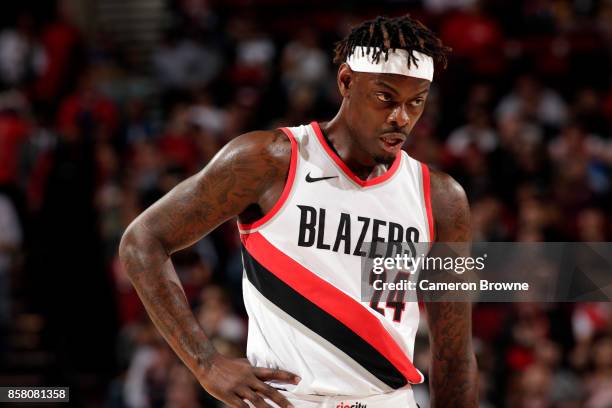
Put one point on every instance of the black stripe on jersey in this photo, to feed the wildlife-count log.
(321, 322)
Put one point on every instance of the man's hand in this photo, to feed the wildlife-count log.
(235, 380)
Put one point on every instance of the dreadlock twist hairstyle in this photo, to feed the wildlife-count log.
(386, 33)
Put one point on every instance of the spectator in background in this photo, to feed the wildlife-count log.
(136, 126)
(217, 318)
(208, 143)
(515, 130)
(441, 6)
(578, 177)
(177, 144)
(62, 45)
(207, 116)
(87, 112)
(565, 387)
(195, 273)
(255, 52)
(535, 221)
(475, 37)
(22, 58)
(599, 381)
(591, 225)
(532, 388)
(197, 14)
(182, 390)
(477, 132)
(520, 158)
(472, 171)
(488, 216)
(148, 368)
(147, 165)
(15, 130)
(587, 112)
(589, 320)
(534, 102)
(304, 62)
(10, 245)
(181, 63)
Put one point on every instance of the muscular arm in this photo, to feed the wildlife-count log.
(453, 374)
(249, 171)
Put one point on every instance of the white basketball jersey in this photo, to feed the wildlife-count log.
(302, 273)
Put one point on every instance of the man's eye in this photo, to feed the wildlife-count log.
(383, 97)
(417, 102)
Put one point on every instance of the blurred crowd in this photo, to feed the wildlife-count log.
(522, 118)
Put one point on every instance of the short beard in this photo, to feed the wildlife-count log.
(386, 160)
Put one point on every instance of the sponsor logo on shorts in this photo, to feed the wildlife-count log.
(353, 405)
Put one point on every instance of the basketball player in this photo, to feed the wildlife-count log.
(308, 199)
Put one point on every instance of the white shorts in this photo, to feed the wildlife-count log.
(400, 398)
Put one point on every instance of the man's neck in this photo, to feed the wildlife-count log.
(338, 135)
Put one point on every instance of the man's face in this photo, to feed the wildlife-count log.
(382, 109)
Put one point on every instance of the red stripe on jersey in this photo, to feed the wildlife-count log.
(427, 197)
(333, 301)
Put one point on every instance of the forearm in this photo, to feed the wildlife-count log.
(151, 272)
(454, 383)
(453, 375)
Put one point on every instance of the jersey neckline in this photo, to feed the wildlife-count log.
(346, 170)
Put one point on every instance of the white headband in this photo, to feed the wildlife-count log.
(397, 63)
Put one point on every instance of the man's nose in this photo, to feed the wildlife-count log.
(399, 116)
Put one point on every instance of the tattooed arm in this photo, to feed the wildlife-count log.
(245, 178)
(453, 377)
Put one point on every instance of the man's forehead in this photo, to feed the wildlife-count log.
(395, 82)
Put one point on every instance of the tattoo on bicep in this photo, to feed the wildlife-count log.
(222, 191)
(248, 177)
(450, 209)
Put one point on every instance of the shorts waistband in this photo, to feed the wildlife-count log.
(399, 398)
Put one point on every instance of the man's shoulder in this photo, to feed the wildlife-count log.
(444, 187)
(271, 146)
(450, 208)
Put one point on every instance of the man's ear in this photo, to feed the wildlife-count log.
(345, 79)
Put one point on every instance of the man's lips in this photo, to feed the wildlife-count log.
(393, 138)
(392, 142)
